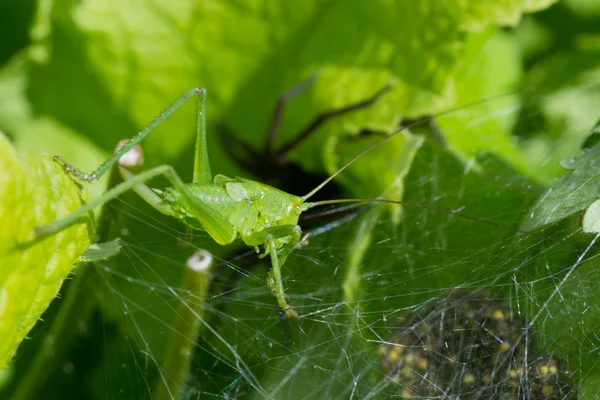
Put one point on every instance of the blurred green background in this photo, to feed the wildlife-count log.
(78, 76)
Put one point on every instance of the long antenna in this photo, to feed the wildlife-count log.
(402, 129)
(426, 207)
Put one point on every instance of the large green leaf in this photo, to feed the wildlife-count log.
(35, 190)
(125, 70)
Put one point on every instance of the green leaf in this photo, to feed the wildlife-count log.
(42, 133)
(169, 48)
(478, 14)
(14, 20)
(573, 193)
(591, 219)
(101, 251)
(35, 191)
(585, 8)
(537, 5)
(491, 67)
(381, 172)
(553, 125)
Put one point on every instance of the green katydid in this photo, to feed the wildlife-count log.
(226, 208)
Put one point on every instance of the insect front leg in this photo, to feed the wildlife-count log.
(291, 245)
(278, 258)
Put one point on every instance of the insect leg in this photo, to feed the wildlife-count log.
(243, 154)
(279, 109)
(325, 116)
(274, 279)
(201, 166)
(146, 193)
(296, 234)
(215, 225)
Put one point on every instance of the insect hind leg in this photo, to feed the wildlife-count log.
(220, 230)
(202, 158)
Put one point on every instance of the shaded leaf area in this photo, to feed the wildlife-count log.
(573, 193)
(562, 72)
(35, 191)
(14, 20)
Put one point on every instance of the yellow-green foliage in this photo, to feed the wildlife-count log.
(35, 190)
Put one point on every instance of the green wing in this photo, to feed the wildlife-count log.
(217, 226)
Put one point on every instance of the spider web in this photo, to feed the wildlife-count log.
(446, 307)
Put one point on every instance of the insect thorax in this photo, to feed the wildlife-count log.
(249, 206)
